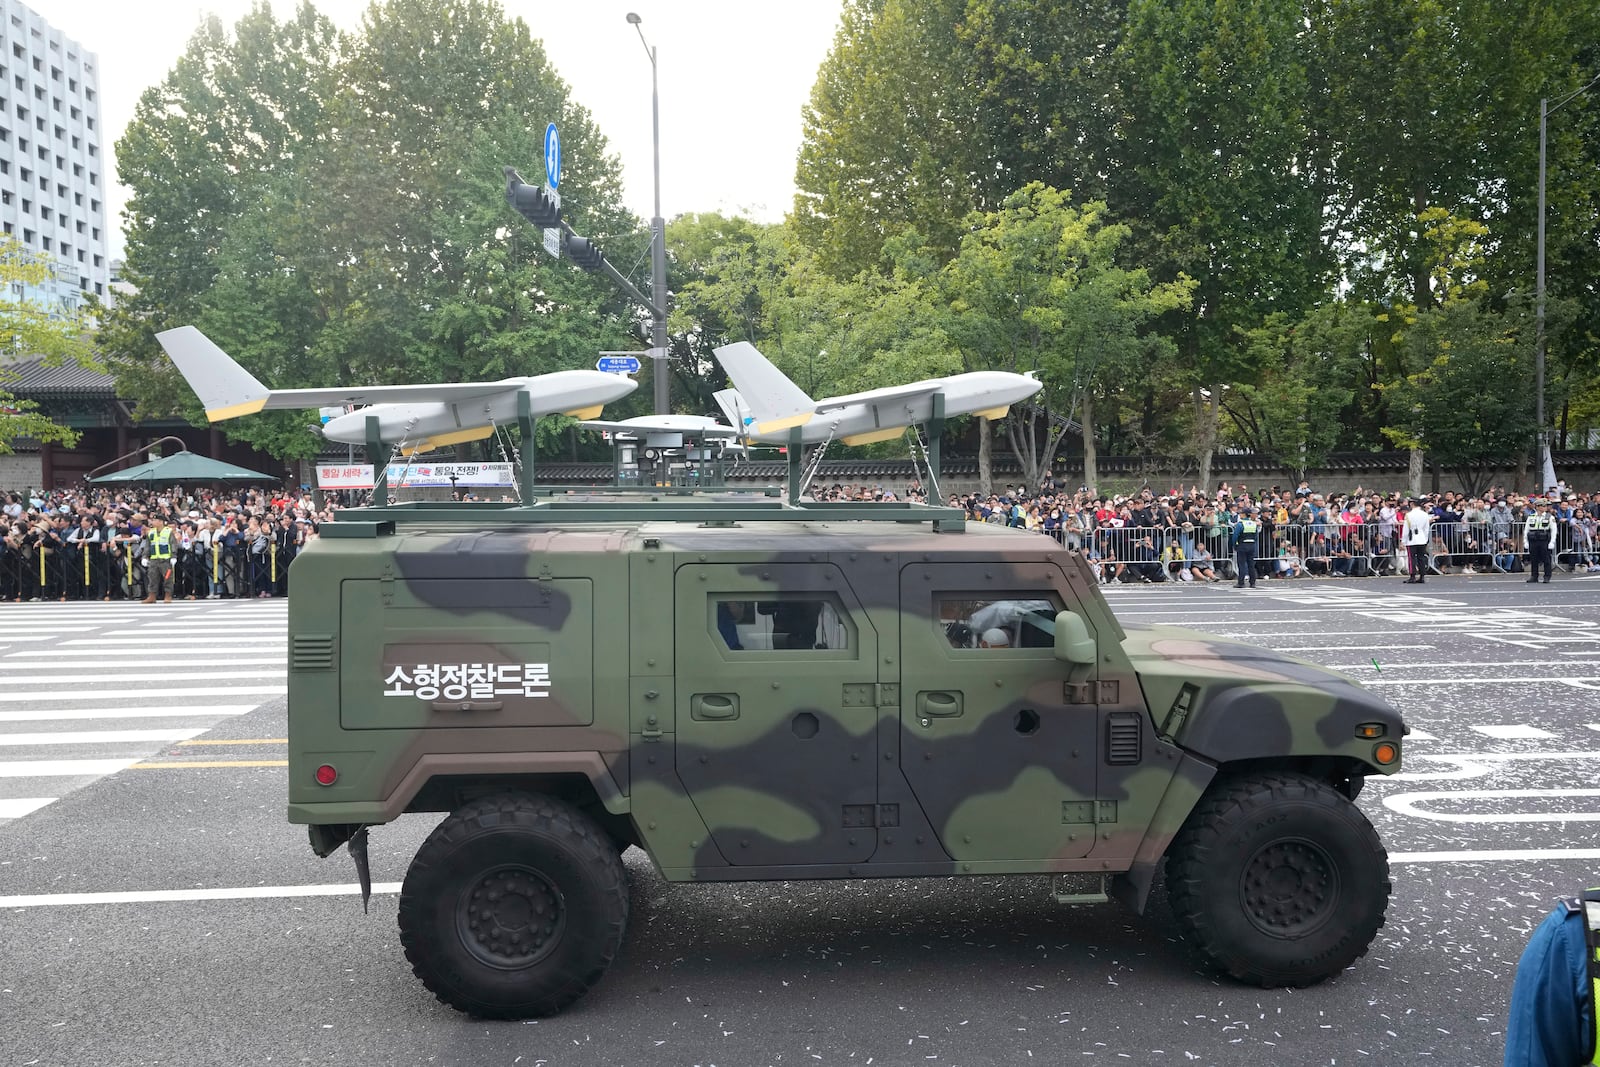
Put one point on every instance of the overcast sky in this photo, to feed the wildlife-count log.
(734, 75)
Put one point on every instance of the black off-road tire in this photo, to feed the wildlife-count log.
(514, 907)
(1278, 879)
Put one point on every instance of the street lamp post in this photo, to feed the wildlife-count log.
(658, 247)
(1546, 468)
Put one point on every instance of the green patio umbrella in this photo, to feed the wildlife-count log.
(183, 467)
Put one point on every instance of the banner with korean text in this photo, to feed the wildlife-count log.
(417, 476)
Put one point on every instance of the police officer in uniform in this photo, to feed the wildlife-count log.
(159, 575)
(1552, 1015)
(1539, 541)
(1246, 534)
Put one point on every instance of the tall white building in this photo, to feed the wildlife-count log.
(54, 167)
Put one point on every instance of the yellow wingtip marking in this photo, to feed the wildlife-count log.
(233, 411)
(456, 437)
(586, 413)
(789, 423)
(994, 413)
(874, 436)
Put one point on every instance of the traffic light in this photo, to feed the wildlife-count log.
(584, 253)
(531, 201)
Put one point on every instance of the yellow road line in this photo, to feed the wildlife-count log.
(224, 763)
(240, 741)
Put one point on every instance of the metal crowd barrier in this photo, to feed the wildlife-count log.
(114, 571)
(1322, 549)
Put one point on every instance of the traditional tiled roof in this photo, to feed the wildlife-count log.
(34, 379)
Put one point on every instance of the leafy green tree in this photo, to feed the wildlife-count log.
(1435, 105)
(1037, 288)
(926, 110)
(1308, 374)
(729, 276)
(1216, 179)
(32, 329)
(356, 231)
(235, 116)
(1464, 393)
(1043, 75)
(1468, 400)
(888, 135)
(1405, 111)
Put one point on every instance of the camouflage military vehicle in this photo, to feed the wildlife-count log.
(755, 692)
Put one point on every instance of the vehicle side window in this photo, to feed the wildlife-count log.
(792, 622)
(1024, 619)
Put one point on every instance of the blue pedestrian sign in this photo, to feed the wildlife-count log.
(617, 364)
(552, 157)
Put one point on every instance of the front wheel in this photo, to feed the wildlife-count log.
(1278, 879)
(513, 907)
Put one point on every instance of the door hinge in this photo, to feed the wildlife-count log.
(870, 695)
(1102, 692)
(861, 816)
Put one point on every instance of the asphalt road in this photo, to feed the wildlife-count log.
(1489, 823)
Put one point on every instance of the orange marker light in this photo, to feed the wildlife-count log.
(1370, 730)
(1385, 753)
(327, 774)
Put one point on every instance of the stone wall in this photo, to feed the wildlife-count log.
(20, 471)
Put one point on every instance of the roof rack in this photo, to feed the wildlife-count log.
(609, 506)
(619, 504)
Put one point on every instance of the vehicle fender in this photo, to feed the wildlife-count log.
(1184, 789)
(1264, 720)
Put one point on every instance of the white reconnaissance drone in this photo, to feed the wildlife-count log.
(767, 406)
(416, 417)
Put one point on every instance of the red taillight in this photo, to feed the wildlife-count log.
(327, 774)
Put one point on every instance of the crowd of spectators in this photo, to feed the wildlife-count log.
(95, 544)
(1188, 535)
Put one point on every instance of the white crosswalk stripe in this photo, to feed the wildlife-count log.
(1511, 731)
(88, 690)
(17, 807)
(110, 714)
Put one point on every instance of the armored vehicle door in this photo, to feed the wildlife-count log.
(776, 671)
(1002, 764)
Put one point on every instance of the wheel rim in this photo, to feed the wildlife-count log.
(510, 917)
(1289, 888)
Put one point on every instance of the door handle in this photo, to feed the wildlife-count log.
(714, 706)
(466, 705)
(938, 705)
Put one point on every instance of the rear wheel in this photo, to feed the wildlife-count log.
(1278, 879)
(513, 907)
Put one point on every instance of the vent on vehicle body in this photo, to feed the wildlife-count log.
(312, 652)
(1123, 736)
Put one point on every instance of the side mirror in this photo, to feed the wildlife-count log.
(1073, 643)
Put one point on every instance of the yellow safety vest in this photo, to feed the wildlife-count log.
(161, 543)
(1588, 908)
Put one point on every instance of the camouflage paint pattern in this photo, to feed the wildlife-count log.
(829, 763)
